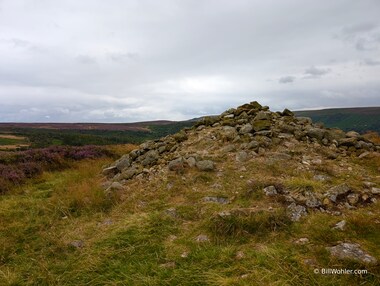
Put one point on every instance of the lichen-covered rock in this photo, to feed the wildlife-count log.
(229, 133)
(259, 125)
(123, 163)
(206, 165)
(247, 128)
(110, 171)
(176, 164)
(150, 158)
(351, 251)
(270, 191)
(295, 212)
(337, 192)
(316, 133)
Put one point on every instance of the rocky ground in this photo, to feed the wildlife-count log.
(253, 162)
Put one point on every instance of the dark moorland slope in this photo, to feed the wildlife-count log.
(360, 119)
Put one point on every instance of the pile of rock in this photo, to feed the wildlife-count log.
(252, 126)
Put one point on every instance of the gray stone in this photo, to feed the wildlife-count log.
(263, 115)
(219, 200)
(287, 112)
(241, 156)
(304, 120)
(129, 173)
(150, 158)
(259, 125)
(123, 163)
(267, 133)
(281, 157)
(352, 134)
(115, 186)
(229, 148)
(270, 191)
(375, 191)
(205, 165)
(247, 128)
(363, 145)
(229, 133)
(340, 190)
(303, 240)
(311, 200)
(295, 212)
(351, 251)
(316, 133)
(171, 212)
(254, 145)
(77, 243)
(202, 238)
(321, 178)
(191, 162)
(176, 164)
(334, 134)
(348, 142)
(340, 225)
(353, 199)
(363, 155)
(369, 184)
(110, 171)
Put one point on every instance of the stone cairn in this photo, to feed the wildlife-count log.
(253, 128)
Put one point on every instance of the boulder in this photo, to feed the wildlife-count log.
(316, 133)
(150, 158)
(176, 164)
(259, 125)
(247, 128)
(241, 156)
(287, 112)
(229, 133)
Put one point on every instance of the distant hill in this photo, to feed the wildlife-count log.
(79, 134)
(360, 119)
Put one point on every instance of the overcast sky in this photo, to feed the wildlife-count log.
(134, 60)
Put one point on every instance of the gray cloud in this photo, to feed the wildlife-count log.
(358, 28)
(314, 72)
(370, 62)
(364, 36)
(286, 79)
(120, 61)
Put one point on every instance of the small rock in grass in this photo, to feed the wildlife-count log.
(351, 251)
(202, 238)
(270, 191)
(77, 243)
(295, 211)
(340, 225)
(302, 240)
(219, 200)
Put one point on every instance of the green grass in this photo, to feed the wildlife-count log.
(131, 239)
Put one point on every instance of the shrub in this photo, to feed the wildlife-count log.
(16, 167)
